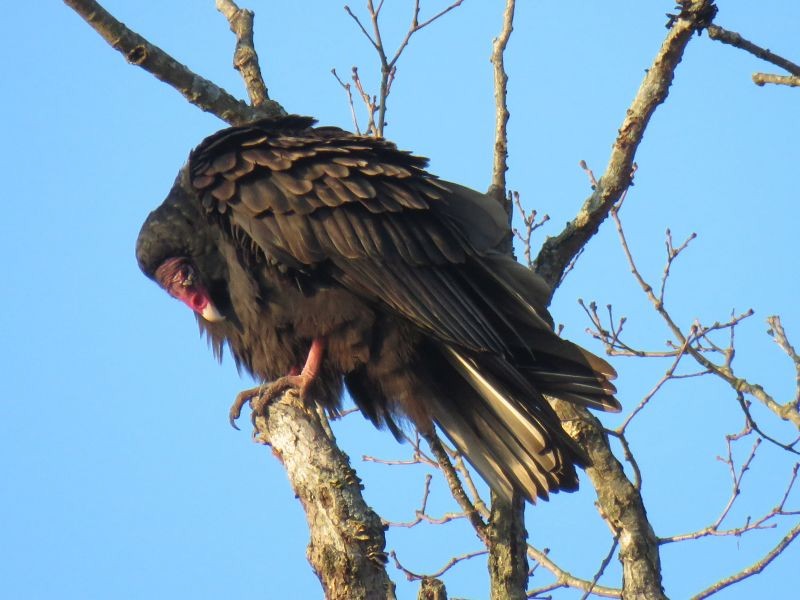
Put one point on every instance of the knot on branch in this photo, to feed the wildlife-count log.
(701, 13)
(137, 55)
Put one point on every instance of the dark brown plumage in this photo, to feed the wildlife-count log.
(285, 238)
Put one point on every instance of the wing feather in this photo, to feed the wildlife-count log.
(379, 224)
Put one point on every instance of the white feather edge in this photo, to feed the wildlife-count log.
(506, 410)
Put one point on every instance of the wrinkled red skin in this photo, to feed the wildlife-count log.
(177, 277)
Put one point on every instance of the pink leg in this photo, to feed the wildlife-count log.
(260, 397)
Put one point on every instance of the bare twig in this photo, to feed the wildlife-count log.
(456, 487)
(245, 58)
(346, 87)
(421, 514)
(565, 579)
(389, 66)
(753, 569)
(751, 423)
(531, 225)
(412, 576)
(670, 374)
(737, 475)
(138, 51)
(787, 412)
(601, 569)
(779, 335)
(761, 78)
(734, 39)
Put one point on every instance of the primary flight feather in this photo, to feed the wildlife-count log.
(324, 259)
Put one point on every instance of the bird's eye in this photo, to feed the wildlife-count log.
(187, 276)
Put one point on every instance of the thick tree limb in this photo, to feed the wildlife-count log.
(432, 589)
(347, 547)
(620, 504)
(138, 51)
(558, 251)
(508, 565)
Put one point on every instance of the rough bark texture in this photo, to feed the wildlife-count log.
(432, 589)
(347, 538)
(620, 504)
(508, 560)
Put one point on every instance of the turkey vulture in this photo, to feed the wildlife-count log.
(325, 259)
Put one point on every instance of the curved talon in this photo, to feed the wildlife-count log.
(260, 402)
(241, 399)
(261, 396)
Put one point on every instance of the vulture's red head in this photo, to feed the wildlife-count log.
(171, 250)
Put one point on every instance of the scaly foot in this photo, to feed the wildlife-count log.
(261, 396)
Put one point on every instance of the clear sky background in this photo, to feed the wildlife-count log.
(119, 474)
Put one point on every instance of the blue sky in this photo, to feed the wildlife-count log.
(120, 475)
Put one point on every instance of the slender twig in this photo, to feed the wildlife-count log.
(778, 334)
(755, 427)
(734, 39)
(466, 477)
(670, 373)
(421, 512)
(601, 569)
(370, 102)
(761, 78)
(787, 412)
(389, 66)
(565, 579)
(346, 87)
(531, 225)
(138, 51)
(412, 576)
(456, 487)
(672, 254)
(766, 521)
(753, 569)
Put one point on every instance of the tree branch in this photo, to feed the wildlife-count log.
(565, 579)
(619, 503)
(500, 160)
(197, 90)
(761, 78)
(734, 39)
(347, 546)
(753, 569)
(787, 411)
(558, 251)
(388, 66)
(245, 57)
(619, 500)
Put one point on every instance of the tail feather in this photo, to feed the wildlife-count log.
(552, 365)
(514, 443)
